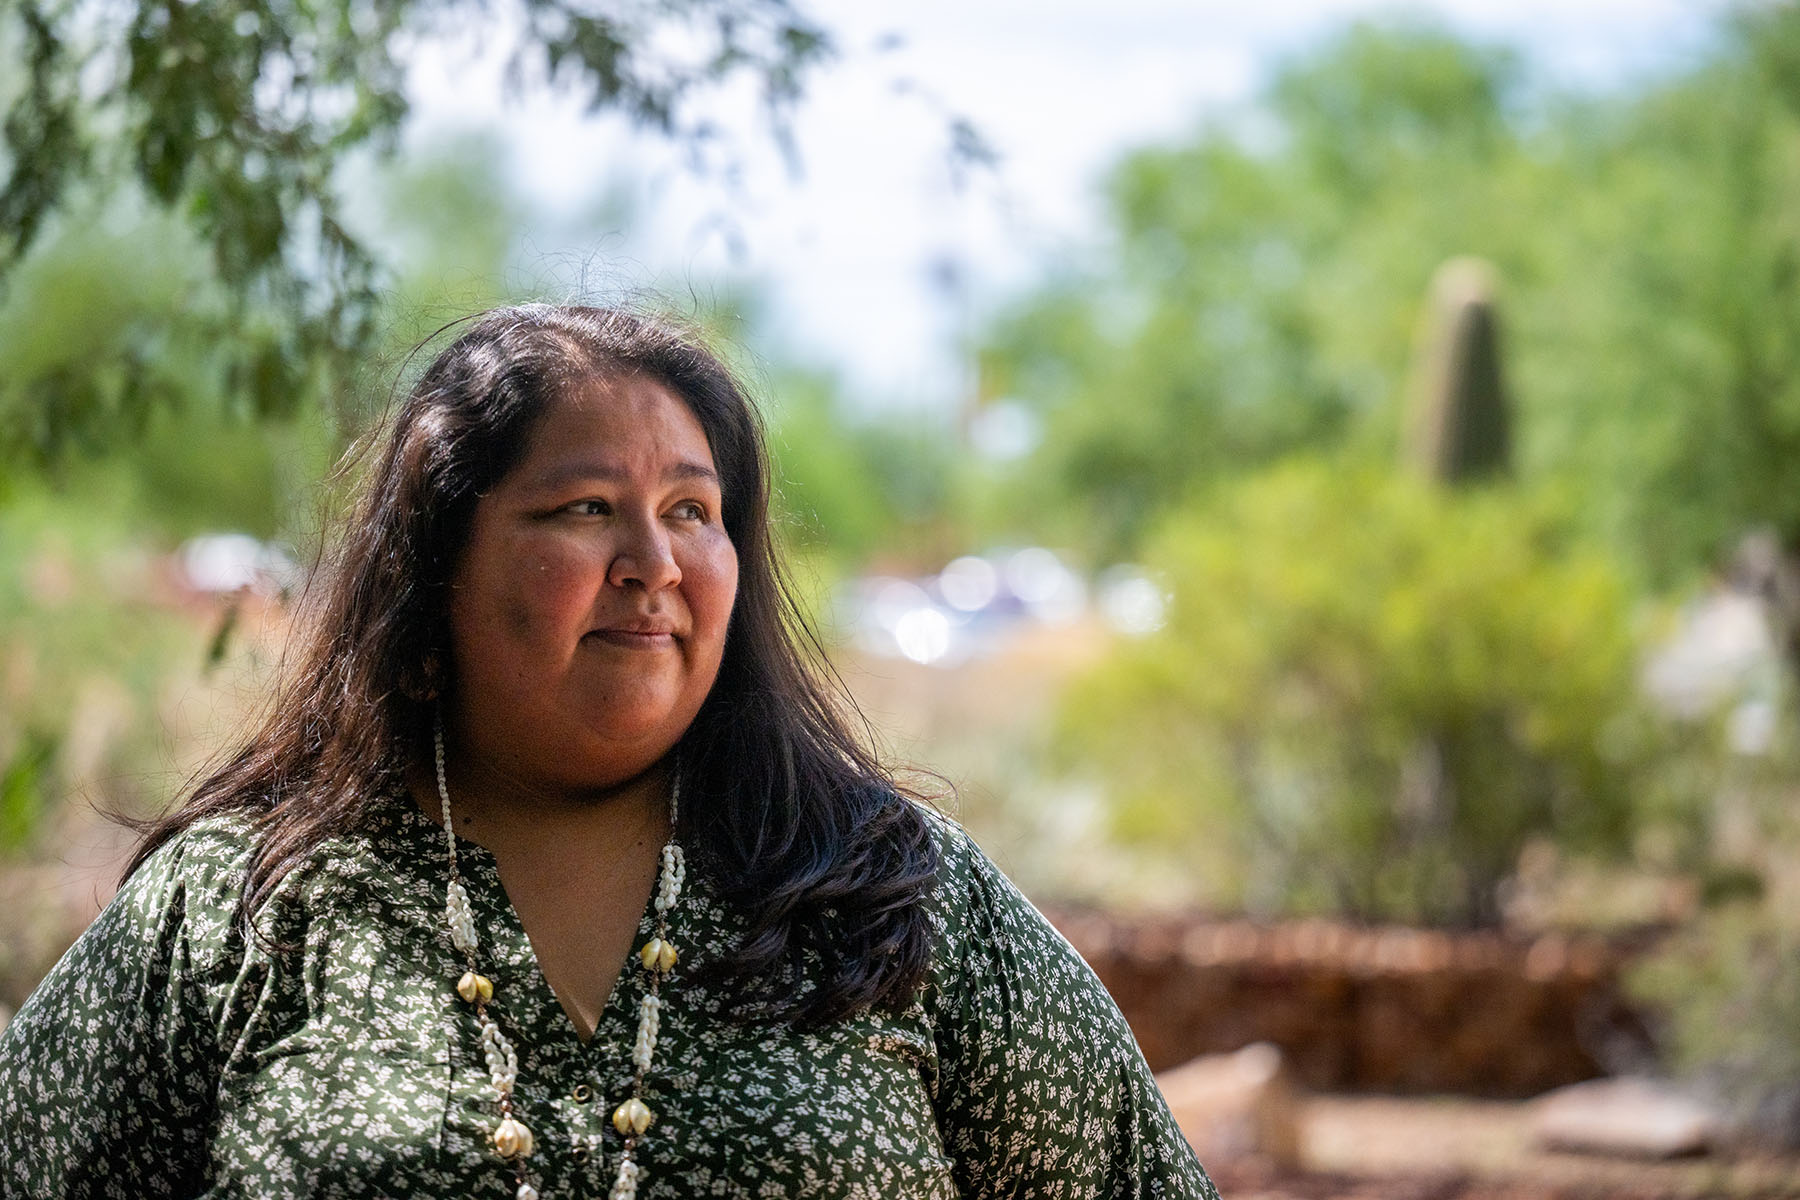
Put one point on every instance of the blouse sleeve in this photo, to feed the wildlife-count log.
(107, 1071)
(1041, 1090)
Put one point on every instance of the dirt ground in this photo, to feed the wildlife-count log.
(1377, 1148)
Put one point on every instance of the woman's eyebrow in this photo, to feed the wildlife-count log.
(686, 469)
(578, 472)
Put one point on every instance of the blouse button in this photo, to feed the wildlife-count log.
(582, 1093)
(580, 1152)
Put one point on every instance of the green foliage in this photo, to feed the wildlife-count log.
(1662, 374)
(85, 330)
(1264, 291)
(1396, 101)
(25, 789)
(1368, 695)
(1260, 290)
(1729, 991)
(851, 492)
(234, 119)
(89, 641)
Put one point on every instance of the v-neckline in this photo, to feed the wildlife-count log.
(506, 947)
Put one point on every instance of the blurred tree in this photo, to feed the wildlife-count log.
(1660, 318)
(1670, 374)
(235, 117)
(855, 491)
(1728, 991)
(1326, 623)
(197, 456)
(1260, 291)
(1261, 286)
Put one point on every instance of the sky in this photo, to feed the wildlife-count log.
(875, 260)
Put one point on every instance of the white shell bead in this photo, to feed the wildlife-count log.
(460, 919)
(674, 874)
(625, 1186)
(649, 1024)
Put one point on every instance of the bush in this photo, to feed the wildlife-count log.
(88, 647)
(1728, 988)
(1368, 695)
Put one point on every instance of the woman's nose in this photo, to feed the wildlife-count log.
(644, 558)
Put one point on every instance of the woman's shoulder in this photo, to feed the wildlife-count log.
(1033, 1052)
(175, 911)
(959, 858)
(996, 948)
(972, 891)
(963, 864)
(212, 854)
(200, 867)
(195, 888)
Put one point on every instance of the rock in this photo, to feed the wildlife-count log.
(1631, 1118)
(1236, 1106)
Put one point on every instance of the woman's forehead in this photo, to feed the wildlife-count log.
(614, 430)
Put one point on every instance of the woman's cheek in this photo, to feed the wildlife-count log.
(550, 589)
(719, 592)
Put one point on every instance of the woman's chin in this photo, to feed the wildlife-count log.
(633, 738)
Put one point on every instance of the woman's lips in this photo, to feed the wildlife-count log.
(634, 639)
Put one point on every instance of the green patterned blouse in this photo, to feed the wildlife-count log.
(165, 1055)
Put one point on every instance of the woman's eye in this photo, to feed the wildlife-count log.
(690, 510)
(590, 508)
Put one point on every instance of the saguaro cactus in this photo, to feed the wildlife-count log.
(1459, 428)
(1458, 432)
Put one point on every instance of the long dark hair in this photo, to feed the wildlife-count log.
(793, 815)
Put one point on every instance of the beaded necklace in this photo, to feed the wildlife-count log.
(513, 1141)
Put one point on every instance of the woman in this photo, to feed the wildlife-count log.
(554, 715)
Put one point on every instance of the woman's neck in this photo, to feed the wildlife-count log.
(507, 815)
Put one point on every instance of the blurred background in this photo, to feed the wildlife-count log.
(1317, 479)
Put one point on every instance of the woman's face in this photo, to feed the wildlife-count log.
(589, 606)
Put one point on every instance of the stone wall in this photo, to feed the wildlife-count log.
(1388, 1010)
